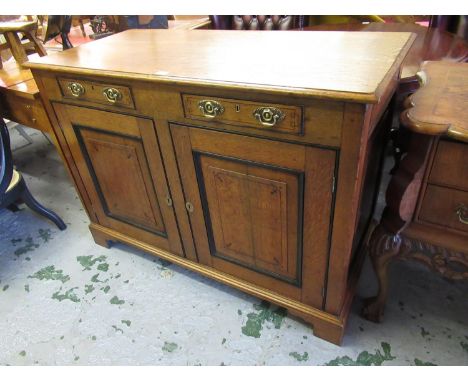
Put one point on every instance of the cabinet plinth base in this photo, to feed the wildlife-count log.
(100, 238)
(326, 326)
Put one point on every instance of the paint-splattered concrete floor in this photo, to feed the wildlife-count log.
(66, 301)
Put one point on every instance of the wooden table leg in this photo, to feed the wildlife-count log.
(386, 242)
(384, 246)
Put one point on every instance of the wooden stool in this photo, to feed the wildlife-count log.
(10, 30)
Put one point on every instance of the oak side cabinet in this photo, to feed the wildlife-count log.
(249, 157)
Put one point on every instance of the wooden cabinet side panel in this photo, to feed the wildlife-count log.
(349, 181)
(318, 208)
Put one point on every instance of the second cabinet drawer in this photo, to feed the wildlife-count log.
(260, 115)
(451, 165)
(102, 93)
(445, 207)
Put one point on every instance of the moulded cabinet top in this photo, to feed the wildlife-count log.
(341, 65)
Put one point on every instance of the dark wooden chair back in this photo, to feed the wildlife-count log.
(257, 22)
(59, 25)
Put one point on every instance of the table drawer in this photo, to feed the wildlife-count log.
(450, 165)
(28, 112)
(102, 93)
(260, 115)
(446, 207)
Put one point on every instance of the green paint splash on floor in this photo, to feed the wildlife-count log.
(117, 329)
(87, 262)
(68, 295)
(265, 313)
(116, 301)
(28, 247)
(26, 288)
(22, 353)
(169, 347)
(88, 288)
(95, 279)
(365, 358)
(301, 358)
(103, 267)
(424, 332)
(418, 362)
(45, 234)
(106, 289)
(126, 322)
(50, 273)
(5, 287)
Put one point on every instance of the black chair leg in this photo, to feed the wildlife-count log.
(32, 203)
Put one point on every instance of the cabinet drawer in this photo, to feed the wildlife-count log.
(28, 112)
(260, 115)
(450, 165)
(102, 93)
(445, 207)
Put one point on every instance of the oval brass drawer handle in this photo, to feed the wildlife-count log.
(112, 95)
(76, 89)
(210, 108)
(268, 116)
(462, 212)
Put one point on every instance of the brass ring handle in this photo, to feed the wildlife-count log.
(462, 212)
(268, 116)
(112, 95)
(210, 108)
(76, 89)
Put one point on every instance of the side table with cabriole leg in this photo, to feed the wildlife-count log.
(426, 215)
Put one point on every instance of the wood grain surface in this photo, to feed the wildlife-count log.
(341, 65)
(440, 106)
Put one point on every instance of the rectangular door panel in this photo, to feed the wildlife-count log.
(253, 215)
(111, 159)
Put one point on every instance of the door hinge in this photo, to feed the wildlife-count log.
(323, 292)
(333, 185)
